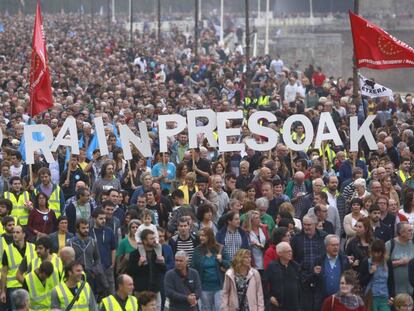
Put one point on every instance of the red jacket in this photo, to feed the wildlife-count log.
(270, 255)
(336, 305)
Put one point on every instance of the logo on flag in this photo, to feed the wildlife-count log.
(377, 49)
(371, 89)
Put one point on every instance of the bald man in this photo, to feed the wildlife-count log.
(123, 298)
(392, 152)
(298, 187)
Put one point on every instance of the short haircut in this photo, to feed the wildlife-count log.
(11, 180)
(111, 190)
(373, 208)
(400, 226)
(281, 246)
(44, 241)
(230, 176)
(181, 254)
(44, 170)
(6, 220)
(107, 203)
(61, 218)
(97, 212)
(20, 298)
(323, 196)
(177, 194)
(71, 265)
(47, 268)
(145, 233)
(146, 297)
(80, 222)
(329, 237)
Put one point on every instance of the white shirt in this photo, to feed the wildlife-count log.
(16, 171)
(290, 92)
(277, 65)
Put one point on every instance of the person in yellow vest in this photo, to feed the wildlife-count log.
(39, 285)
(7, 236)
(74, 293)
(20, 200)
(44, 253)
(298, 136)
(6, 207)
(404, 171)
(53, 192)
(12, 257)
(122, 300)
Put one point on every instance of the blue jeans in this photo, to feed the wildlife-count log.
(210, 301)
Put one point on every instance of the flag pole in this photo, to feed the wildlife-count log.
(131, 174)
(30, 174)
(355, 68)
(193, 158)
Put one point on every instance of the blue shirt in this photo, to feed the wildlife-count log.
(158, 170)
(105, 240)
(379, 281)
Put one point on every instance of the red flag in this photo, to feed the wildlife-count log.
(376, 49)
(40, 86)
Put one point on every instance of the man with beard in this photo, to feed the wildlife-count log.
(6, 207)
(86, 251)
(147, 272)
(65, 292)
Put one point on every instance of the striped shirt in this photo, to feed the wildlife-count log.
(187, 246)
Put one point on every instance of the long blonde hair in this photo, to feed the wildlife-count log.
(237, 262)
(247, 223)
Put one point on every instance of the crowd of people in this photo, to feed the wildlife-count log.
(197, 229)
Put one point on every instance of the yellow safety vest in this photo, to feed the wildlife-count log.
(402, 176)
(3, 245)
(19, 210)
(111, 304)
(65, 297)
(40, 295)
(329, 152)
(263, 100)
(13, 261)
(54, 200)
(57, 265)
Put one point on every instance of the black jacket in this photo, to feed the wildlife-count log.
(298, 247)
(283, 283)
(148, 276)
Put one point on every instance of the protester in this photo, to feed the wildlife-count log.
(242, 289)
(137, 84)
(182, 285)
(345, 299)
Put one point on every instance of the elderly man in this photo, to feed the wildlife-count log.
(182, 285)
(332, 264)
(265, 175)
(223, 198)
(282, 280)
(392, 152)
(296, 190)
(332, 212)
(400, 250)
(245, 177)
(308, 246)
